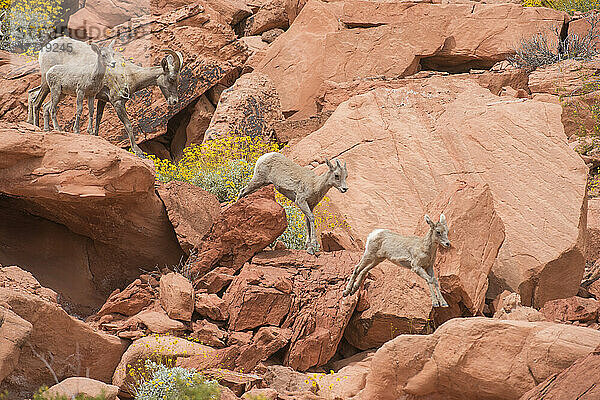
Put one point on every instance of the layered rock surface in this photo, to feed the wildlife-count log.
(90, 208)
(403, 146)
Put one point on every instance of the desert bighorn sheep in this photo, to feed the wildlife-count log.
(120, 83)
(84, 81)
(299, 184)
(416, 253)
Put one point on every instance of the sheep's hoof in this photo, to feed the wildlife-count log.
(310, 250)
(444, 304)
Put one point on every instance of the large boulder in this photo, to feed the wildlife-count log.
(14, 332)
(177, 296)
(68, 345)
(249, 108)
(475, 358)
(579, 381)
(79, 213)
(295, 290)
(245, 228)
(72, 387)
(192, 211)
(340, 41)
(435, 131)
(403, 304)
(593, 231)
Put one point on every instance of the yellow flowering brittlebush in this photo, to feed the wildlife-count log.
(26, 24)
(223, 166)
(569, 6)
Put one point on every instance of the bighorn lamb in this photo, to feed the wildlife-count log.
(84, 81)
(416, 253)
(299, 184)
(120, 83)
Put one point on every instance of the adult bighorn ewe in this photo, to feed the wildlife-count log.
(416, 253)
(120, 83)
(299, 184)
(83, 81)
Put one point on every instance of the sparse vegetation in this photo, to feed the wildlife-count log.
(569, 6)
(42, 395)
(549, 48)
(157, 381)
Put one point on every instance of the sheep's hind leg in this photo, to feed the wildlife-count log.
(99, 112)
(79, 111)
(39, 100)
(53, 105)
(90, 128)
(368, 265)
(423, 274)
(303, 205)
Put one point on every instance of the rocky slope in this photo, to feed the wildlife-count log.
(102, 267)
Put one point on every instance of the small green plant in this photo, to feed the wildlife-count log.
(42, 395)
(543, 49)
(161, 382)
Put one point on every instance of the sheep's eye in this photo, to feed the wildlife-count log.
(337, 177)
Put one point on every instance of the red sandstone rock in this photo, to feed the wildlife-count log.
(248, 108)
(579, 381)
(68, 344)
(467, 357)
(208, 334)
(14, 331)
(177, 296)
(295, 290)
(211, 306)
(341, 41)
(133, 299)
(94, 202)
(71, 387)
(571, 309)
(425, 147)
(245, 228)
(216, 280)
(191, 210)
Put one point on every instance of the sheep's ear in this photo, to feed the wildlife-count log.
(442, 218)
(339, 164)
(95, 48)
(329, 164)
(111, 45)
(345, 165)
(165, 64)
(429, 221)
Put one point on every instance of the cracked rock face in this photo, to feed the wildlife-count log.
(341, 41)
(295, 290)
(404, 146)
(81, 214)
(464, 358)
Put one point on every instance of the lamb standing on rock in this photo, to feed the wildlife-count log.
(299, 184)
(81, 81)
(416, 253)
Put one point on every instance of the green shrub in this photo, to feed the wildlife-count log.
(42, 395)
(160, 382)
(542, 49)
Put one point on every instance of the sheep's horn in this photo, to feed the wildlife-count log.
(177, 57)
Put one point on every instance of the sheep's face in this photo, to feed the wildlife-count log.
(169, 80)
(106, 54)
(338, 174)
(440, 230)
(108, 57)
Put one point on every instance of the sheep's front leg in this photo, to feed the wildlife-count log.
(80, 97)
(436, 283)
(309, 233)
(423, 274)
(37, 104)
(250, 188)
(303, 205)
(90, 128)
(122, 114)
